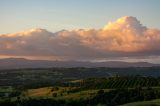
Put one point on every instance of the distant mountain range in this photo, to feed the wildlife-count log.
(14, 63)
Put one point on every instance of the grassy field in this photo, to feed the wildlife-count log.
(155, 102)
(6, 89)
(58, 93)
(45, 92)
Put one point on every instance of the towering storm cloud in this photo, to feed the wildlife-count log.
(122, 38)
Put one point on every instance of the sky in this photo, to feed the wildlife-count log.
(55, 15)
(83, 30)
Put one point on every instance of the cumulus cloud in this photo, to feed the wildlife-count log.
(122, 38)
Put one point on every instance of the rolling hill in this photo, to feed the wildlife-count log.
(14, 63)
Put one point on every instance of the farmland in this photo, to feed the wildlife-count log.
(80, 86)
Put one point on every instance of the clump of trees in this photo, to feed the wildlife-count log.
(122, 96)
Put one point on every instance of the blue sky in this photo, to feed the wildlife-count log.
(54, 15)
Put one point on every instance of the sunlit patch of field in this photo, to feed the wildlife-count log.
(46, 92)
(38, 92)
(76, 81)
(59, 93)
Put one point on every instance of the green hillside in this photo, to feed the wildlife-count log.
(111, 91)
(155, 102)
